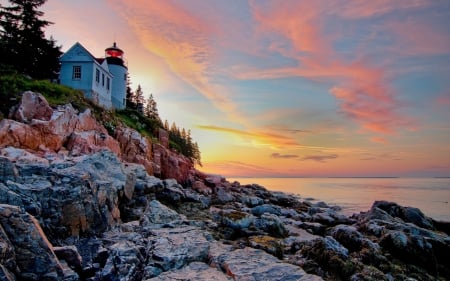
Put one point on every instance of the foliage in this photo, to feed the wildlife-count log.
(143, 116)
(182, 142)
(12, 86)
(23, 45)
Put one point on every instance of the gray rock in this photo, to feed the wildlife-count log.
(158, 215)
(71, 256)
(352, 239)
(34, 257)
(253, 264)
(223, 196)
(173, 248)
(271, 224)
(124, 262)
(266, 208)
(252, 201)
(197, 271)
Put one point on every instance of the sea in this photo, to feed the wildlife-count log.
(354, 195)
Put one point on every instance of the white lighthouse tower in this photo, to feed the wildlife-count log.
(117, 67)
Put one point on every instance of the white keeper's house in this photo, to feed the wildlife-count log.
(102, 80)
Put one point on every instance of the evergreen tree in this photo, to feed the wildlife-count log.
(151, 108)
(23, 46)
(130, 95)
(166, 125)
(139, 99)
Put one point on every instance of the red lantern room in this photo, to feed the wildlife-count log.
(114, 55)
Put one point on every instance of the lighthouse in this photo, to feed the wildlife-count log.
(117, 67)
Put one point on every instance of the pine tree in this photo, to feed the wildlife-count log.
(139, 99)
(24, 47)
(151, 108)
(130, 95)
(166, 125)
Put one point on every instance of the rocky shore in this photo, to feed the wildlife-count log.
(76, 208)
(93, 217)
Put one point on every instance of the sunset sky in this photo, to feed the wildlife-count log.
(286, 88)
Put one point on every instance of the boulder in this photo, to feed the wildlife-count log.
(407, 214)
(32, 106)
(174, 248)
(158, 215)
(125, 262)
(33, 253)
(194, 271)
(252, 264)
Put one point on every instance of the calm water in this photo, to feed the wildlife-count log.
(431, 195)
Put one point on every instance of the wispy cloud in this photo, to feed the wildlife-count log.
(320, 158)
(283, 156)
(182, 39)
(267, 138)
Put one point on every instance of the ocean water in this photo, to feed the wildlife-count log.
(354, 195)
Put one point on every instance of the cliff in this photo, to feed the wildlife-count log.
(63, 132)
(78, 204)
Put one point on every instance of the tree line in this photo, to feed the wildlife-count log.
(179, 139)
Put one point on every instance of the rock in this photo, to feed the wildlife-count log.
(168, 164)
(134, 147)
(173, 248)
(71, 256)
(410, 248)
(253, 264)
(271, 224)
(266, 208)
(34, 256)
(158, 215)
(407, 214)
(32, 106)
(200, 187)
(251, 201)
(269, 244)
(125, 262)
(353, 240)
(223, 196)
(194, 271)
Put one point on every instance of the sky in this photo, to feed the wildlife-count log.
(286, 88)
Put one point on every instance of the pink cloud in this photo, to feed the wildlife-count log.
(361, 88)
(356, 9)
(418, 37)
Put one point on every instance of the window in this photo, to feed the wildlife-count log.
(125, 77)
(103, 79)
(97, 75)
(76, 72)
(107, 83)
